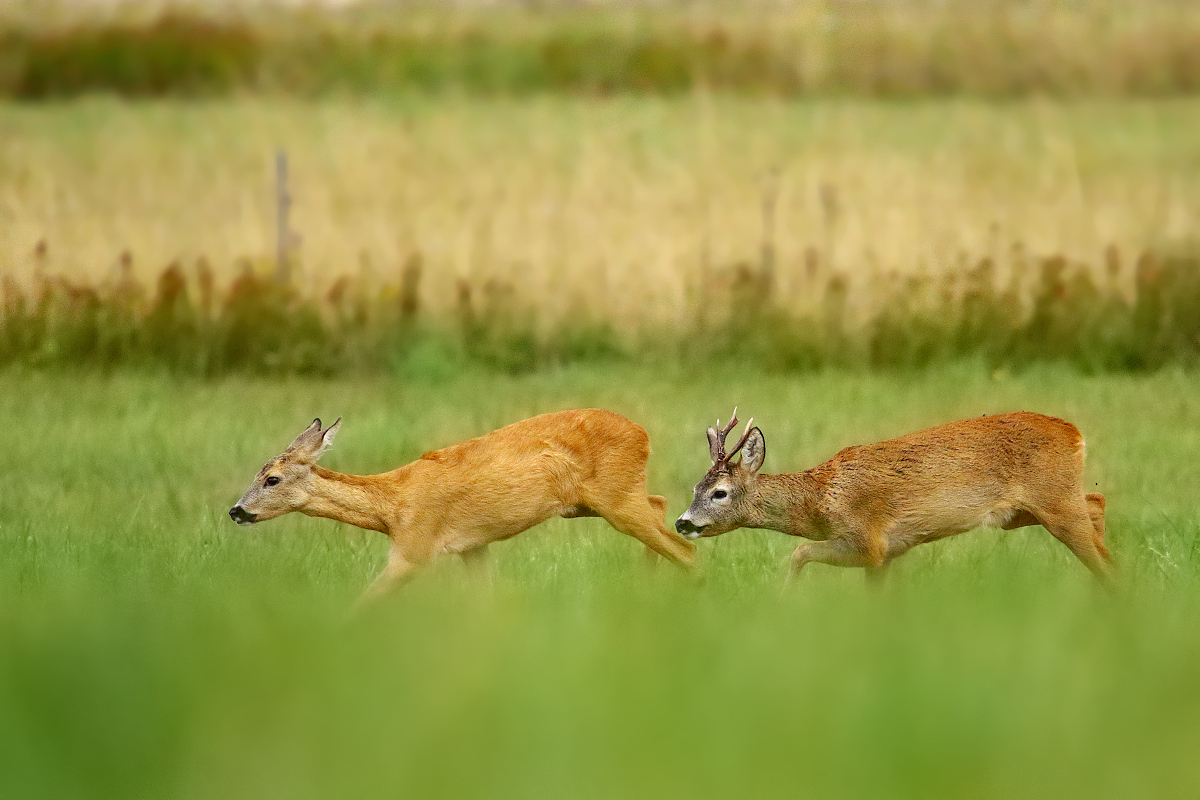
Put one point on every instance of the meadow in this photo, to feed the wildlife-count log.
(151, 648)
(850, 220)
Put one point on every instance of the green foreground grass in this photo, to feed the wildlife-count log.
(149, 648)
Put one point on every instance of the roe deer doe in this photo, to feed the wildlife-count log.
(870, 504)
(588, 463)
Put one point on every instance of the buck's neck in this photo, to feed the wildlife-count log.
(785, 503)
(355, 499)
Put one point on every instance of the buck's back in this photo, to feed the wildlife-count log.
(966, 464)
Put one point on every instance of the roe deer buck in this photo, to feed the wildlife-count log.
(588, 463)
(870, 504)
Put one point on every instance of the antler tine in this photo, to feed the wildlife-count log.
(742, 441)
(724, 431)
(723, 434)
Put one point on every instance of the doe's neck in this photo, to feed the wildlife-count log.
(355, 499)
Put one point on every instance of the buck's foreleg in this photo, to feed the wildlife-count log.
(899, 540)
(877, 576)
(837, 552)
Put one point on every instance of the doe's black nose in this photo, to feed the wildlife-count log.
(240, 515)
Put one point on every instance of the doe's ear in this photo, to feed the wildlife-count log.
(307, 439)
(309, 445)
(327, 438)
(754, 452)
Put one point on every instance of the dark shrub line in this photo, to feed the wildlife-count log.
(1050, 311)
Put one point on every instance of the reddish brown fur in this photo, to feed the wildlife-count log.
(463, 497)
(870, 504)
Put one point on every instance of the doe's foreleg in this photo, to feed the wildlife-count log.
(479, 565)
(398, 571)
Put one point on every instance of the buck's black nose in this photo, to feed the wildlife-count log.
(685, 526)
(241, 516)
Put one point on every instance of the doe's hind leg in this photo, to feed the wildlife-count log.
(659, 504)
(1095, 506)
(1072, 525)
(643, 520)
(1020, 519)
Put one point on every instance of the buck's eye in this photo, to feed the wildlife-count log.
(720, 494)
(273, 480)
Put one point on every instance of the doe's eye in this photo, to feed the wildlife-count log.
(720, 494)
(273, 480)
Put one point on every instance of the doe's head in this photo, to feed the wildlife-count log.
(719, 501)
(284, 482)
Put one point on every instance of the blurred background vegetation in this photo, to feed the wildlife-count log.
(915, 48)
(797, 184)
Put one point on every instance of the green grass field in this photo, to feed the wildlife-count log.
(150, 648)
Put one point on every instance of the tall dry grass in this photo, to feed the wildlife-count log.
(625, 210)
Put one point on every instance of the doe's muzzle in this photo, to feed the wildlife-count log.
(241, 516)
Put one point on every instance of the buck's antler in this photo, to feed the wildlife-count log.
(718, 435)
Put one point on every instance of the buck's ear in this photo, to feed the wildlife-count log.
(714, 445)
(754, 452)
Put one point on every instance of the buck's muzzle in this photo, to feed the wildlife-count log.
(687, 528)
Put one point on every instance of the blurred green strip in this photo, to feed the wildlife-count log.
(864, 49)
(153, 649)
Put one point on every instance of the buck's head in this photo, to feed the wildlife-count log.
(720, 501)
(284, 482)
